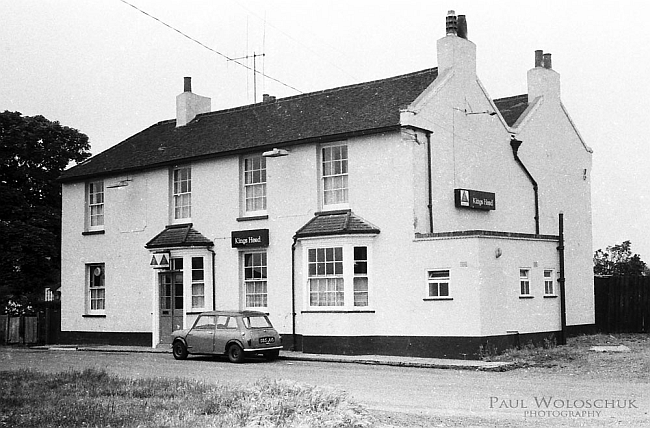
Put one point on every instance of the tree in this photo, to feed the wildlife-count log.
(619, 261)
(33, 153)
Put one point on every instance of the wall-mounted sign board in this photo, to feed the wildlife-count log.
(474, 199)
(250, 238)
(160, 260)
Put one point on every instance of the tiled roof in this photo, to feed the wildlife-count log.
(183, 235)
(512, 107)
(336, 223)
(348, 110)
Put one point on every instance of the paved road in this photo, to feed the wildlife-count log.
(468, 397)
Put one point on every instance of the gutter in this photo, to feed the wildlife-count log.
(514, 143)
(66, 177)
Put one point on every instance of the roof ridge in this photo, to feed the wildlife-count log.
(310, 94)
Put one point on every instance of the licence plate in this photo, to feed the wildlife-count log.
(266, 340)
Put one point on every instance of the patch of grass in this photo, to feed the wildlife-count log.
(548, 354)
(94, 398)
(576, 357)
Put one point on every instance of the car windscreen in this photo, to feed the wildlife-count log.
(257, 322)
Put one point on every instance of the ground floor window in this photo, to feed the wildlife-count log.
(524, 281)
(326, 283)
(338, 277)
(96, 288)
(255, 280)
(360, 276)
(437, 283)
(549, 288)
(198, 283)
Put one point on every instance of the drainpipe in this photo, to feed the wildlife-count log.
(561, 281)
(428, 134)
(293, 294)
(514, 143)
(214, 287)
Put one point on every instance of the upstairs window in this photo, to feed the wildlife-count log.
(182, 193)
(255, 184)
(335, 174)
(95, 200)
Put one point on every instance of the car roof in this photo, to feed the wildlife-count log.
(234, 313)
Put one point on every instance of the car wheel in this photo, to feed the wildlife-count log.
(235, 353)
(179, 350)
(272, 355)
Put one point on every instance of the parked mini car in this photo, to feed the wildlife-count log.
(233, 333)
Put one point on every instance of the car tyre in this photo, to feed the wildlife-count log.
(235, 353)
(272, 355)
(179, 350)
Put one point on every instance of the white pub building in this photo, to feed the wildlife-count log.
(412, 215)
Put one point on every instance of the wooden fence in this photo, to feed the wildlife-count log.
(622, 304)
(43, 327)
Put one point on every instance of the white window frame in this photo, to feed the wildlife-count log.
(549, 282)
(360, 282)
(254, 281)
(95, 291)
(525, 282)
(333, 170)
(254, 181)
(198, 283)
(438, 281)
(347, 276)
(181, 194)
(95, 205)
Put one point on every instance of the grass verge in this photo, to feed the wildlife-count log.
(94, 398)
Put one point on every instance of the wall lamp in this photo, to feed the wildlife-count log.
(275, 153)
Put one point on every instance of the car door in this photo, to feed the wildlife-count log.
(200, 339)
(226, 329)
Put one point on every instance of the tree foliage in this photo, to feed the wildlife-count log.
(33, 153)
(619, 261)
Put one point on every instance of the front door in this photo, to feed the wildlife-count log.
(171, 304)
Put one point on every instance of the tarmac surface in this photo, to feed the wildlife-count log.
(386, 360)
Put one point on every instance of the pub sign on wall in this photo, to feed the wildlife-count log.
(250, 238)
(474, 199)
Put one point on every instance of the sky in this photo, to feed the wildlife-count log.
(110, 70)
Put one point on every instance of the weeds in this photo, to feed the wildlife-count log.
(96, 398)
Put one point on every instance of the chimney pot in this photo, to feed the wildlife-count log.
(187, 84)
(266, 98)
(462, 26)
(451, 22)
(547, 61)
(539, 59)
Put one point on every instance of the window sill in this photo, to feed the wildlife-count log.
(194, 313)
(94, 316)
(526, 297)
(428, 299)
(550, 296)
(253, 217)
(335, 311)
(93, 232)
